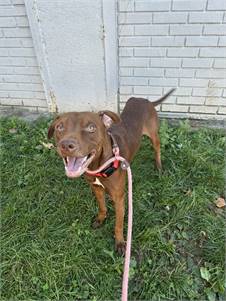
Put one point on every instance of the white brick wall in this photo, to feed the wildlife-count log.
(174, 43)
(20, 80)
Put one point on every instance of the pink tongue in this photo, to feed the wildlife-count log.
(74, 164)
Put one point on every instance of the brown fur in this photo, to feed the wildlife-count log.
(138, 118)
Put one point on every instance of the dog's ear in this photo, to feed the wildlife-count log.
(109, 118)
(52, 127)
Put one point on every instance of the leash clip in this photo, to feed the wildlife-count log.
(124, 165)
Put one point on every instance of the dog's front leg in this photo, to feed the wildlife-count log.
(119, 205)
(102, 214)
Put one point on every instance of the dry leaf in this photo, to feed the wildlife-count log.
(13, 131)
(220, 203)
(47, 145)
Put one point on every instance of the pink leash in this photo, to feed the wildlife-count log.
(124, 165)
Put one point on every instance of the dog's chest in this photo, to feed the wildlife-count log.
(98, 182)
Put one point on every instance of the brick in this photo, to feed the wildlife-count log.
(147, 90)
(126, 71)
(206, 92)
(222, 111)
(216, 5)
(17, 32)
(201, 41)
(27, 42)
(174, 108)
(165, 62)
(211, 73)
(171, 99)
(26, 70)
(22, 21)
(7, 22)
(152, 30)
(205, 17)
(6, 69)
(124, 98)
(125, 51)
(196, 63)
(17, 2)
(35, 102)
(171, 72)
(168, 41)
(16, 42)
(42, 110)
(219, 63)
(173, 18)
(153, 5)
(213, 52)
(219, 83)
(134, 41)
(186, 30)
(185, 5)
(18, 61)
(203, 109)
(5, 43)
(4, 94)
(214, 29)
(150, 52)
(27, 94)
(183, 91)
(182, 52)
(163, 82)
(214, 101)
(126, 30)
(191, 100)
(28, 108)
(5, 2)
(134, 62)
(11, 102)
(193, 82)
(13, 11)
(153, 98)
(224, 19)
(135, 18)
(21, 87)
(125, 5)
(132, 81)
(222, 41)
(25, 52)
(126, 90)
(21, 79)
(4, 52)
(152, 72)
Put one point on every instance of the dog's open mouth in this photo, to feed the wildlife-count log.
(76, 166)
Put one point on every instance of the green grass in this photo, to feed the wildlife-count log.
(50, 252)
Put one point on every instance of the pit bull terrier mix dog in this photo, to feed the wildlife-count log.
(83, 141)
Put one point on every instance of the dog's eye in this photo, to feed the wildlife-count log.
(60, 127)
(91, 128)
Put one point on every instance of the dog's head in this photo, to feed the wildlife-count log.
(79, 138)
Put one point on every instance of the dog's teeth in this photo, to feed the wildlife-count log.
(84, 159)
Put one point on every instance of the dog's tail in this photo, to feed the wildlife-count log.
(160, 100)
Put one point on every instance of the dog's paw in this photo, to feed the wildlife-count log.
(97, 223)
(120, 247)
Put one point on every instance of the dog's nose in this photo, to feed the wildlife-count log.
(68, 145)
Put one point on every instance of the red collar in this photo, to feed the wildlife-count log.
(107, 172)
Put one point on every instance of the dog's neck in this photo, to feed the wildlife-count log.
(104, 153)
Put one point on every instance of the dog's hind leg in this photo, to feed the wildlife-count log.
(156, 145)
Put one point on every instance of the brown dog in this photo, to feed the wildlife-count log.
(82, 140)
